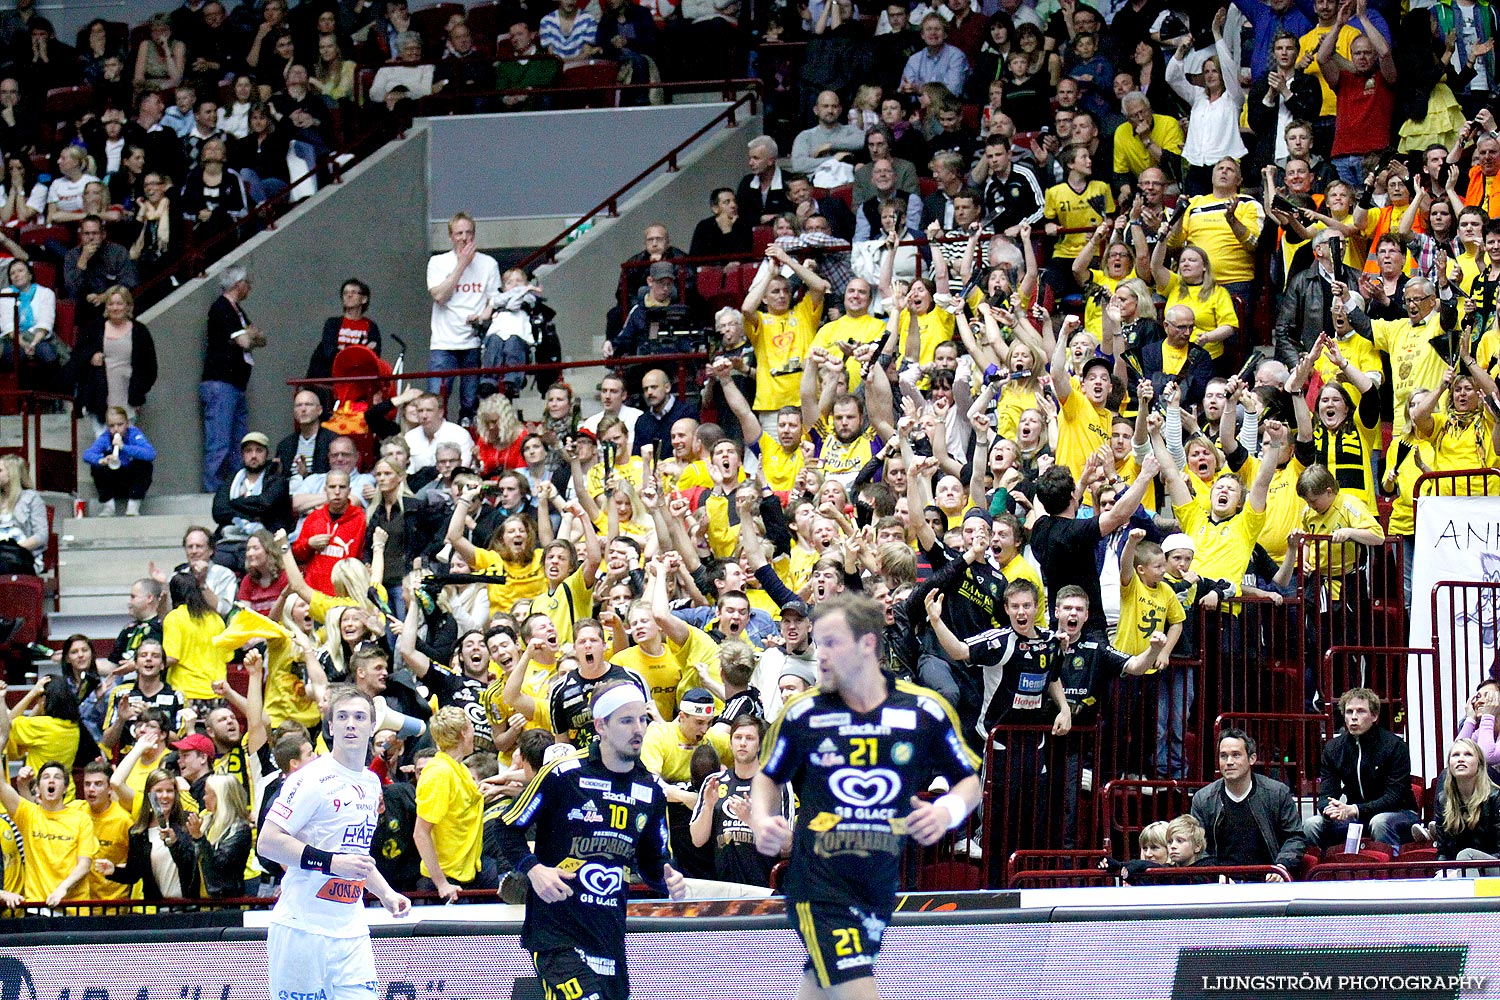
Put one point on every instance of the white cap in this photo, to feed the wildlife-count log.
(1178, 541)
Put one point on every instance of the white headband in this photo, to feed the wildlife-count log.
(616, 698)
(701, 709)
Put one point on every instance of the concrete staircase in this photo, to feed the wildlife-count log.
(101, 557)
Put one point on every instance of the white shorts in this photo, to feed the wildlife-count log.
(307, 966)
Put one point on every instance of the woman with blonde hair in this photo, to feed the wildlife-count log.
(1468, 808)
(512, 551)
(222, 835)
(23, 518)
(497, 433)
(114, 359)
(351, 584)
(1193, 285)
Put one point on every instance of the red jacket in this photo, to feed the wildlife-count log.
(348, 542)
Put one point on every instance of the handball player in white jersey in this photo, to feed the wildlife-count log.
(320, 829)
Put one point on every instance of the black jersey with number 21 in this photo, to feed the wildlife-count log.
(855, 774)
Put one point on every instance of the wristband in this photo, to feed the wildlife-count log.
(956, 807)
(316, 860)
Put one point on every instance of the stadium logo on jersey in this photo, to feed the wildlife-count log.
(901, 753)
(601, 880)
(860, 787)
(586, 813)
(360, 835)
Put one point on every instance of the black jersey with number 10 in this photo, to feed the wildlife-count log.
(855, 774)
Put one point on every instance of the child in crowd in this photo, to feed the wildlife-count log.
(1152, 844)
(1186, 843)
(179, 117)
(1147, 607)
(864, 110)
(1191, 589)
(122, 463)
(515, 328)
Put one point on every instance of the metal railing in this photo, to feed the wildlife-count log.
(729, 118)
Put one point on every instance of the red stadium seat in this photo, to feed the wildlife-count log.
(429, 22)
(45, 273)
(600, 75)
(763, 235)
(926, 187)
(710, 281)
(484, 21)
(22, 597)
(66, 325)
(41, 235)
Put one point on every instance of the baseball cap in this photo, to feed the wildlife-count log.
(796, 607)
(799, 670)
(661, 269)
(1091, 362)
(198, 742)
(255, 437)
(698, 702)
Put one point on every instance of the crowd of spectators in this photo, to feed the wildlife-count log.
(1074, 332)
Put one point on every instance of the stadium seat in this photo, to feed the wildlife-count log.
(597, 74)
(926, 188)
(64, 106)
(67, 327)
(45, 273)
(970, 117)
(41, 235)
(484, 21)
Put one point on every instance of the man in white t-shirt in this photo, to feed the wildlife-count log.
(461, 283)
(320, 830)
(612, 395)
(431, 431)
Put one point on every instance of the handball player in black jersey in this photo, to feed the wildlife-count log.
(858, 749)
(601, 819)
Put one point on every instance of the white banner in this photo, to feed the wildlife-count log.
(1457, 540)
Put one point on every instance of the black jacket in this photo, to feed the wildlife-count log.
(1372, 772)
(286, 452)
(1277, 818)
(271, 507)
(1305, 103)
(1304, 314)
(137, 866)
(92, 390)
(1484, 837)
(1193, 378)
(223, 866)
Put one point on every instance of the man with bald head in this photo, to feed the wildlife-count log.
(1145, 140)
(1177, 358)
(305, 450)
(663, 409)
(633, 279)
(884, 181)
(332, 532)
(830, 139)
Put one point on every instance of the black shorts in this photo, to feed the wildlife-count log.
(842, 941)
(567, 974)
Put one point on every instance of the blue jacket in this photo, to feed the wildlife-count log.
(134, 448)
(1484, 23)
(1298, 19)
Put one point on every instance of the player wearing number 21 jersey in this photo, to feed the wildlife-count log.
(600, 816)
(858, 749)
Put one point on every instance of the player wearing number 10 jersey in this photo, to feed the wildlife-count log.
(599, 815)
(859, 748)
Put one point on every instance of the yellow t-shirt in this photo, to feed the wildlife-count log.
(864, 329)
(671, 672)
(842, 460)
(1081, 428)
(1208, 314)
(1143, 611)
(1283, 506)
(778, 339)
(693, 476)
(1414, 363)
(1463, 444)
(1082, 211)
(1130, 152)
(1207, 227)
(573, 599)
(935, 326)
(54, 841)
(535, 685)
(633, 471)
(190, 641)
(10, 855)
(42, 738)
(1222, 547)
(112, 831)
(448, 798)
(1403, 518)
(666, 755)
(518, 580)
(322, 603)
(285, 691)
(1093, 311)
(1309, 43)
(1360, 353)
(1014, 401)
(780, 466)
(1336, 560)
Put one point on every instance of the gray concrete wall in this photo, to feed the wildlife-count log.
(372, 226)
(582, 285)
